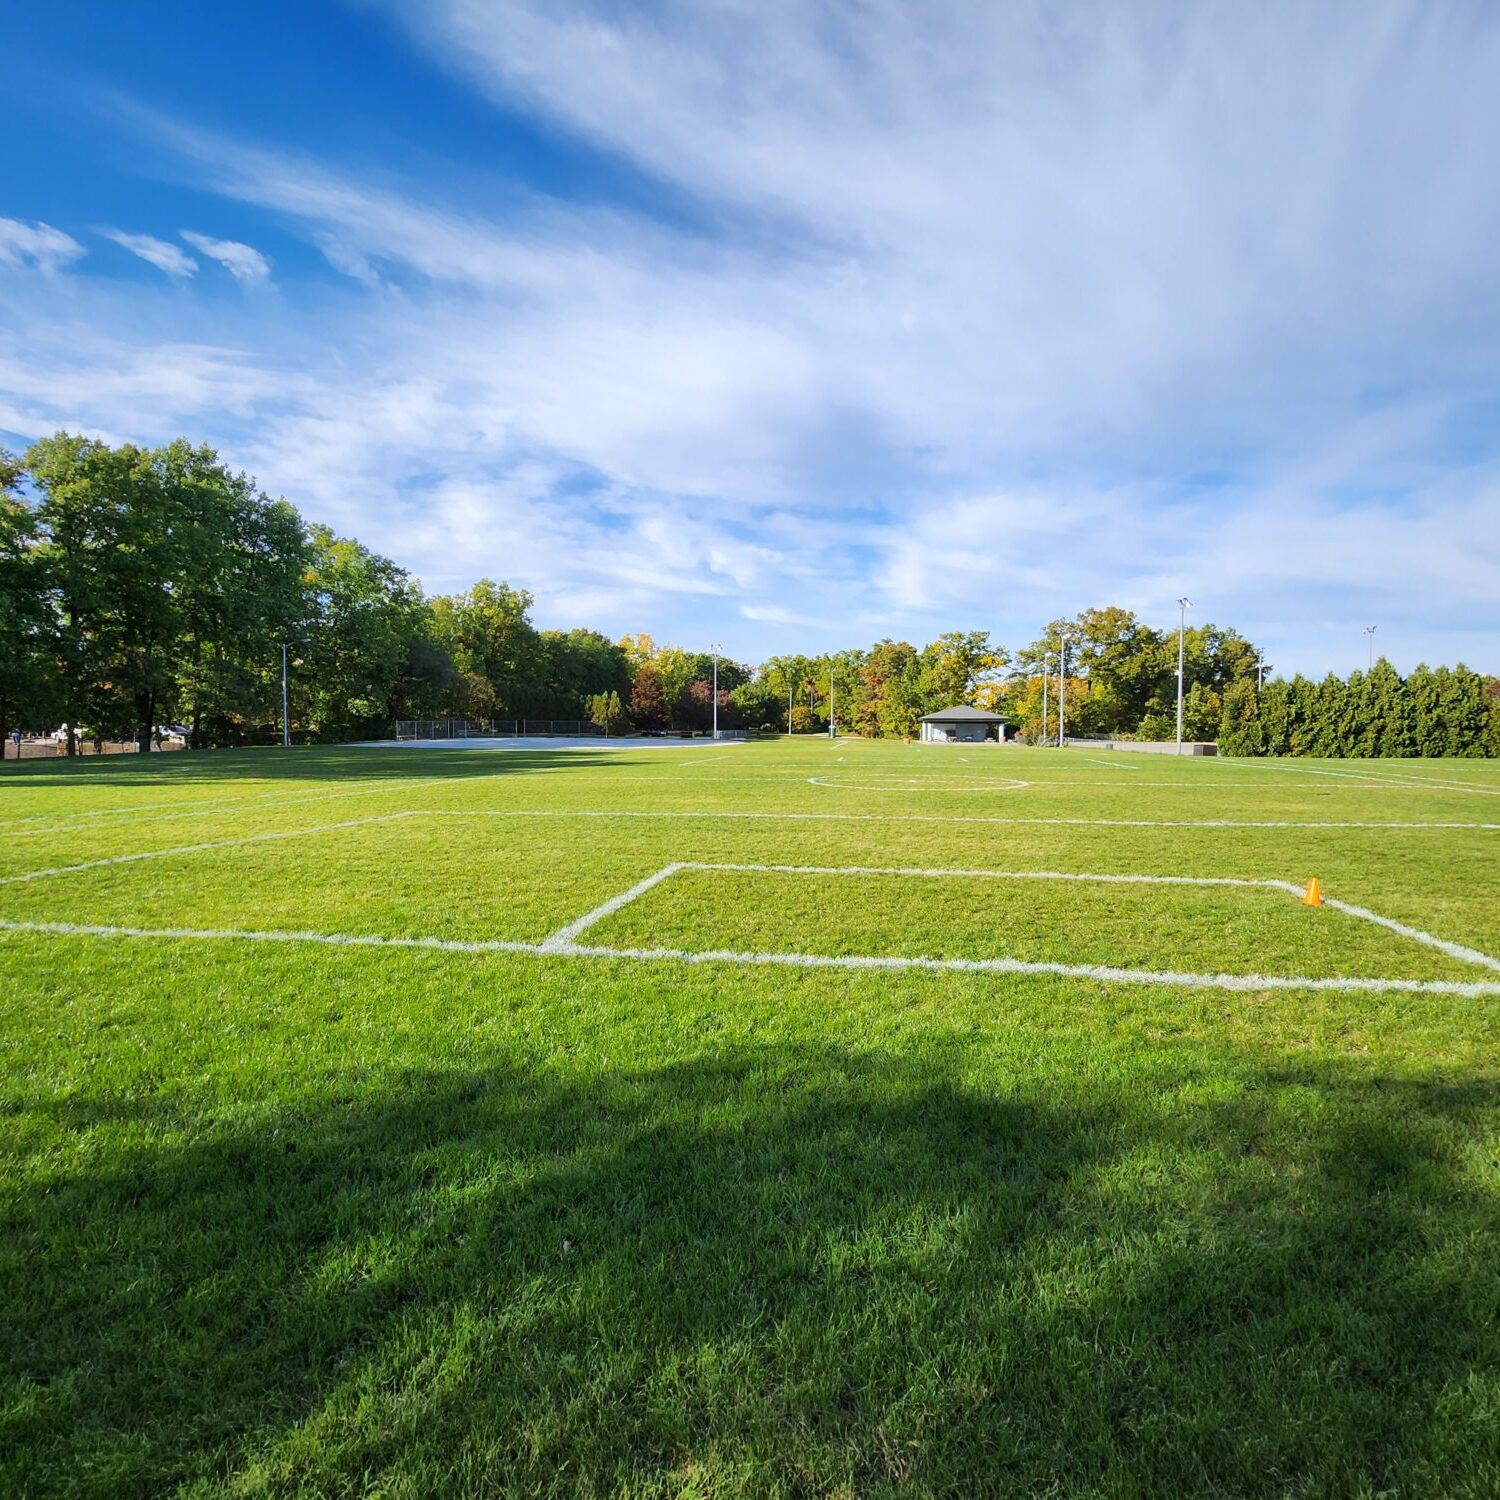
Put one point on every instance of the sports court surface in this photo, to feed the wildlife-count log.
(792, 1117)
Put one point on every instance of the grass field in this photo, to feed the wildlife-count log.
(781, 1119)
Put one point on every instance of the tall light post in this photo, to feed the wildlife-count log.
(833, 727)
(1184, 605)
(1370, 639)
(1062, 688)
(1260, 670)
(286, 723)
(715, 650)
(791, 688)
(1046, 678)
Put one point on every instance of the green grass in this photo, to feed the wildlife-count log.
(287, 1218)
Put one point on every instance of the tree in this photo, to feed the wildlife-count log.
(607, 714)
(367, 612)
(112, 562)
(491, 637)
(648, 704)
(1239, 723)
(27, 679)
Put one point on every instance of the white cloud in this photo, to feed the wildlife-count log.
(162, 254)
(37, 245)
(243, 262)
(980, 315)
(348, 260)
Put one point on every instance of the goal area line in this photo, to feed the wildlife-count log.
(564, 942)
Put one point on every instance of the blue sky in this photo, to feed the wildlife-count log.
(792, 324)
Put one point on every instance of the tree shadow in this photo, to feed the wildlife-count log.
(778, 1270)
(313, 763)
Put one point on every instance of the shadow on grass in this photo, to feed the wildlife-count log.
(312, 763)
(780, 1270)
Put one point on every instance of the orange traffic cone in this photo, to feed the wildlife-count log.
(1313, 896)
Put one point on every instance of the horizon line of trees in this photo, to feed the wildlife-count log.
(143, 587)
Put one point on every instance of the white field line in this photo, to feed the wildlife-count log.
(564, 936)
(1236, 982)
(1381, 778)
(1475, 990)
(252, 838)
(800, 817)
(1406, 778)
(834, 817)
(1453, 950)
(937, 874)
(915, 784)
(230, 808)
(248, 803)
(1115, 765)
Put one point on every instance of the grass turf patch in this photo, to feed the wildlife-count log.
(285, 1219)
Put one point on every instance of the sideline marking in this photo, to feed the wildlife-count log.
(836, 817)
(1382, 779)
(919, 784)
(251, 838)
(1114, 765)
(1161, 977)
(792, 817)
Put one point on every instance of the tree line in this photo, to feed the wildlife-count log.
(143, 587)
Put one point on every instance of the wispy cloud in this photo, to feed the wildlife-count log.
(165, 256)
(243, 262)
(981, 314)
(348, 260)
(39, 246)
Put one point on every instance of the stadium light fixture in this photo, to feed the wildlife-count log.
(1370, 639)
(1260, 670)
(1046, 674)
(1184, 605)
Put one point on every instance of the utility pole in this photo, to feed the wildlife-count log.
(833, 730)
(1184, 605)
(791, 688)
(286, 727)
(1260, 670)
(1046, 677)
(1370, 637)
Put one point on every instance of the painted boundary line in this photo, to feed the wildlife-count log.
(565, 936)
(1392, 779)
(832, 817)
(563, 941)
(1166, 978)
(24, 876)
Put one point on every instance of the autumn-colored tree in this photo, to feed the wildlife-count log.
(648, 704)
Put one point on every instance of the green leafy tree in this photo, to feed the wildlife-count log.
(366, 614)
(1239, 723)
(28, 685)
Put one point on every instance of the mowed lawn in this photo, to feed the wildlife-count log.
(467, 1204)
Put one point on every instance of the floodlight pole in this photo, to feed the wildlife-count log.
(1062, 688)
(833, 732)
(286, 727)
(1370, 638)
(715, 651)
(1046, 677)
(1260, 670)
(791, 688)
(1184, 605)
